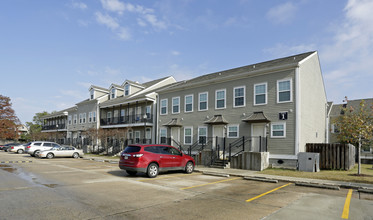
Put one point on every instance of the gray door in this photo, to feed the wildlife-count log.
(257, 131)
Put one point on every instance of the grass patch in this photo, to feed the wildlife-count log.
(336, 175)
(101, 156)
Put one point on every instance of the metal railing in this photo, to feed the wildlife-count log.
(131, 119)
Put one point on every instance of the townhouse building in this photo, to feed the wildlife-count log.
(55, 124)
(276, 106)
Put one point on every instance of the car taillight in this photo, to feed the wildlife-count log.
(137, 155)
(12, 148)
(28, 146)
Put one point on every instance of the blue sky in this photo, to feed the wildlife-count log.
(53, 50)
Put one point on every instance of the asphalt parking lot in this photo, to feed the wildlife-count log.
(86, 189)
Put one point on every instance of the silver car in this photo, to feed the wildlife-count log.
(65, 151)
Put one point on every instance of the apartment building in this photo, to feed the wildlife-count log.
(276, 106)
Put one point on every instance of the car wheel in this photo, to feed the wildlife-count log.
(36, 153)
(189, 167)
(152, 170)
(131, 173)
(76, 155)
(20, 151)
(50, 156)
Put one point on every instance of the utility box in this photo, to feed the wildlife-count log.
(309, 162)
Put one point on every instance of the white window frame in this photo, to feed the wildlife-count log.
(284, 130)
(160, 135)
(233, 126)
(69, 119)
(75, 119)
(127, 88)
(80, 118)
(94, 116)
(92, 94)
(160, 106)
(185, 103)
(107, 116)
(200, 127)
(199, 101)
(90, 118)
(278, 90)
(113, 93)
(266, 93)
(174, 98)
(137, 136)
(244, 97)
(216, 98)
(84, 117)
(191, 135)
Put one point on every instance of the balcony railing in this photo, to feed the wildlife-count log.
(131, 119)
(54, 127)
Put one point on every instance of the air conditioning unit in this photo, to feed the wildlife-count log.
(309, 162)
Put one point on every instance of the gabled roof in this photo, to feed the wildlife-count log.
(59, 113)
(290, 61)
(98, 88)
(137, 84)
(173, 123)
(115, 86)
(257, 117)
(355, 104)
(217, 120)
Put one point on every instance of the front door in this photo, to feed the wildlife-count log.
(257, 131)
(175, 135)
(217, 131)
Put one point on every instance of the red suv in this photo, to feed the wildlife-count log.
(152, 159)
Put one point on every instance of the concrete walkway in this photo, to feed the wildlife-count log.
(255, 175)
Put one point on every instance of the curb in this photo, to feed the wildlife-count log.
(317, 185)
(261, 179)
(215, 174)
(24, 161)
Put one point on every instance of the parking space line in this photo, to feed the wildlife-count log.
(220, 181)
(263, 194)
(167, 177)
(346, 208)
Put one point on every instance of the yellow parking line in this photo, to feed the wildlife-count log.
(167, 177)
(256, 197)
(211, 183)
(346, 209)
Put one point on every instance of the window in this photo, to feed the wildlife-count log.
(80, 118)
(202, 135)
(189, 103)
(137, 136)
(220, 99)
(175, 105)
(69, 119)
(335, 129)
(75, 119)
(122, 115)
(108, 115)
(126, 89)
(188, 133)
(202, 101)
(164, 107)
(148, 134)
(239, 96)
(148, 112)
(92, 94)
(163, 135)
(84, 117)
(94, 116)
(260, 94)
(89, 117)
(112, 93)
(284, 91)
(233, 131)
(278, 130)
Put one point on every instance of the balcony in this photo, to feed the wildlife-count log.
(131, 119)
(53, 127)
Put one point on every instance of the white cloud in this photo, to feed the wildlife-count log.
(79, 5)
(283, 13)
(124, 34)
(106, 20)
(175, 53)
(113, 5)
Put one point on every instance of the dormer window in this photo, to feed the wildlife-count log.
(92, 94)
(127, 89)
(112, 95)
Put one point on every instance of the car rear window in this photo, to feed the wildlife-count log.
(132, 149)
(37, 144)
(47, 144)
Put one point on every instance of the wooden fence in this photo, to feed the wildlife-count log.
(334, 156)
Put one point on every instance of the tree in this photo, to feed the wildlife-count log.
(35, 127)
(356, 126)
(9, 122)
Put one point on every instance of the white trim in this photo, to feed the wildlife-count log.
(172, 106)
(283, 156)
(185, 103)
(266, 94)
(207, 101)
(191, 135)
(160, 107)
(160, 132)
(129, 89)
(284, 129)
(199, 127)
(225, 98)
(297, 110)
(244, 96)
(291, 90)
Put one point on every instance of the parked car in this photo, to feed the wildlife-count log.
(20, 149)
(37, 146)
(5, 146)
(152, 159)
(64, 151)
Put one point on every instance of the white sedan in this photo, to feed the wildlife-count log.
(65, 151)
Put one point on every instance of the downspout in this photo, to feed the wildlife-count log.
(297, 110)
(155, 113)
(328, 122)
